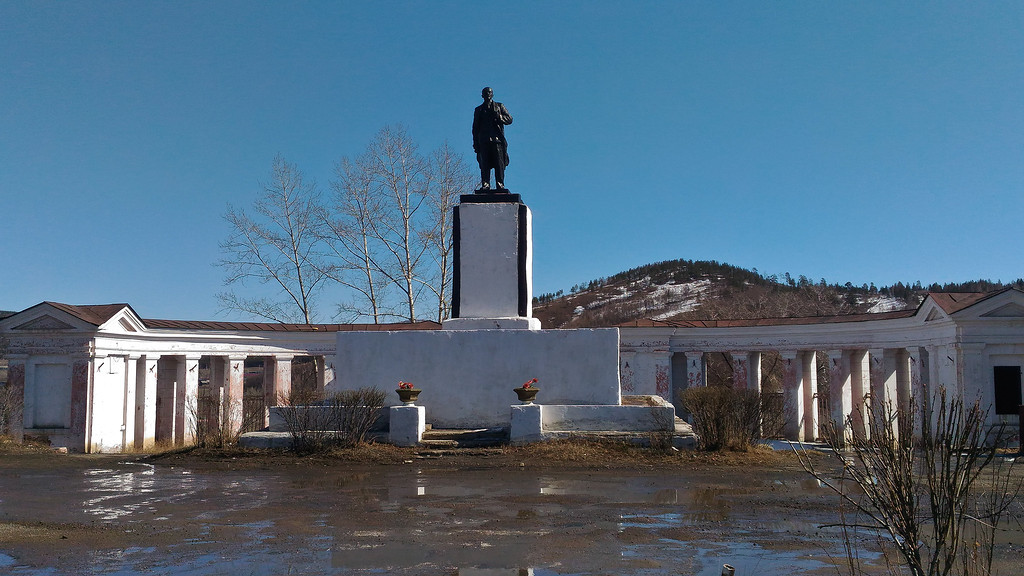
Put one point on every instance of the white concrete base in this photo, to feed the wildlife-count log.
(609, 418)
(514, 323)
(527, 424)
(408, 423)
(467, 376)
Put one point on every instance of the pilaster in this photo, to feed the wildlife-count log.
(809, 389)
(696, 373)
(740, 368)
(840, 395)
(792, 396)
(190, 401)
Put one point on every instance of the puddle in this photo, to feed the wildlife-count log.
(134, 519)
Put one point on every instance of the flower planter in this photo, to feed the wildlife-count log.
(526, 395)
(408, 395)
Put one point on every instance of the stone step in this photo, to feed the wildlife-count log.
(464, 438)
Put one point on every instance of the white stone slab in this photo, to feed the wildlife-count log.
(467, 376)
(408, 423)
(517, 323)
(489, 267)
(526, 424)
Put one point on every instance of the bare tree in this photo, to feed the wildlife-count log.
(939, 501)
(388, 227)
(451, 179)
(276, 245)
(348, 236)
(403, 177)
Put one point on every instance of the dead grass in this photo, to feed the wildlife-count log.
(569, 453)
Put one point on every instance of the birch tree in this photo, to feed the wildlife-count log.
(276, 245)
(388, 227)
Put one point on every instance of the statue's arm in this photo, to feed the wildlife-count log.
(504, 116)
(474, 131)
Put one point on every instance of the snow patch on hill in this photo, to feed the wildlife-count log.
(883, 303)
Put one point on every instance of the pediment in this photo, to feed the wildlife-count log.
(123, 321)
(934, 314)
(1011, 310)
(45, 322)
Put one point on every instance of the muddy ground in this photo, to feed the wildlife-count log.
(560, 508)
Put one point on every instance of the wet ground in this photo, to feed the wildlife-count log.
(104, 516)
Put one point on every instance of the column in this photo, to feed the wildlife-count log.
(809, 386)
(145, 401)
(754, 371)
(185, 435)
(696, 375)
(740, 378)
(883, 380)
(792, 395)
(662, 359)
(81, 411)
(903, 379)
(321, 372)
(919, 375)
(278, 387)
(839, 391)
(860, 387)
(16, 382)
(180, 373)
(234, 382)
(131, 403)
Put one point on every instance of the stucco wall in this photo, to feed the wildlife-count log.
(467, 377)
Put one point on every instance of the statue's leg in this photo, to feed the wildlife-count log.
(499, 174)
(485, 177)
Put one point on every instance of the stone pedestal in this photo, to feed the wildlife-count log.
(492, 284)
(526, 424)
(407, 424)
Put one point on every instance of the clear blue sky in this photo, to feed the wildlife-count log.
(861, 142)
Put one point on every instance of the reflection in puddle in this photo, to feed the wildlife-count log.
(408, 521)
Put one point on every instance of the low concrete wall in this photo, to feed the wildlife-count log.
(467, 376)
(608, 418)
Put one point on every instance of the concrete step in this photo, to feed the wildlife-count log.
(465, 438)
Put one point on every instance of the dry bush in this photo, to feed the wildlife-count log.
(723, 418)
(11, 405)
(205, 416)
(318, 420)
(937, 500)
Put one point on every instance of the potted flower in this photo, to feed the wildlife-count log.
(527, 392)
(407, 393)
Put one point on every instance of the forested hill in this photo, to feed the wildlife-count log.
(709, 290)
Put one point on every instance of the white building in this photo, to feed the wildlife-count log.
(102, 379)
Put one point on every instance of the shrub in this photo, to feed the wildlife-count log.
(723, 418)
(318, 420)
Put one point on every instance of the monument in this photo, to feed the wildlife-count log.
(492, 343)
(489, 121)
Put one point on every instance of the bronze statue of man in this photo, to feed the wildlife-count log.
(489, 120)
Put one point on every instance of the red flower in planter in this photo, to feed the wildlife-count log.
(530, 383)
(404, 385)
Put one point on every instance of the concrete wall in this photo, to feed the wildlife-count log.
(467, 377)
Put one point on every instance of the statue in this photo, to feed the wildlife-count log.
(489, 120)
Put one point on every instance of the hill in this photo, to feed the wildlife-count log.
(709, 290)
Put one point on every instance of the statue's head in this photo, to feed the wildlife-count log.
(487, 93)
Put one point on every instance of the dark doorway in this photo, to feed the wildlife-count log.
(1007, 389)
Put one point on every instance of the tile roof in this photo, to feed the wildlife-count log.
(952, 302)
(93, 314)
(740, 323)
(278, 327)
